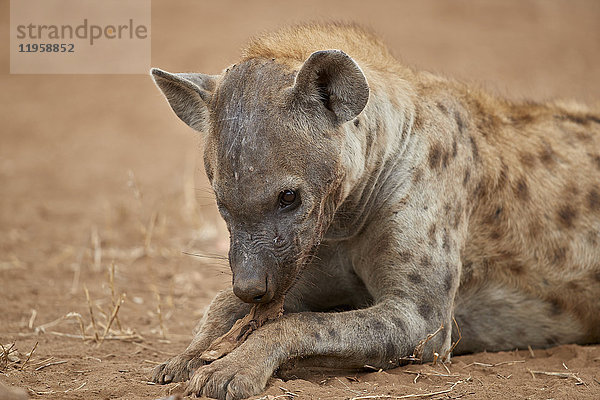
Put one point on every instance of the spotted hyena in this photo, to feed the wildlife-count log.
(383, 202)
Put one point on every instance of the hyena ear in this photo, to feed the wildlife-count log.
(336, 80)
(187, 94)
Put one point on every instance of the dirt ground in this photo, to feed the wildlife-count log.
(97, 171)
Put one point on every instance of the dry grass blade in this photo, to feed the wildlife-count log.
(433, 373)
(531, 353)
(451, 349)
(494, 365)
(4, 360)
(113, 297)
(560, 375)
(159, 314)
(50, 364)
(91, 310)
(150, 231)
(96, 248)
(46, 392)
(420, 347)
(112, 317)
(29, 356)
(133, 337)
(32, 318)
(408, 396)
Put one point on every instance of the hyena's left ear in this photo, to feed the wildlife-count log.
(187, 94)
(335, 79)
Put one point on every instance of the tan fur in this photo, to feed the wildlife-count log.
(437, 200)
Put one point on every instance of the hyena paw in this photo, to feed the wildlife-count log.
(227, 380)
(178, 369)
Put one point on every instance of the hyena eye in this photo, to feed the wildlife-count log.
(287, 198)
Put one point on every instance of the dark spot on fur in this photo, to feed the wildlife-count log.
(435, 156)
(397, 293)
(595, 160)
(448, 281)
(415, 278)
(487, 121)
(572, 189)
(583, 136)
(521, 117)
(417, 175)
(581, 119)
(566, 216)
(356, 122)
(431, 233)
(425, 309)
(467, 177)
(426, 261)
(446, 241)
(494, 218)
(546, 155)
(596, 276)
(527, 159)
(522, 189)
(404, 256)
(316, 335)
(474, 149)
(517, 268)
(467, 271)
(478, 192)
(592, 237)
(573, 285)
(378, 326)
(560, 255)
(447, 208)
(593, 199)
(497, 213)
(457, 216)
(454, 148)
(332, 333)
(442, 107)
(556, 307)
(445, 156)
(503, 175)
(390, 350)
(496, 234)
(459, 121)
(399, 323)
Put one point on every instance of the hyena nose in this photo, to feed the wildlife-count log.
(252, 290)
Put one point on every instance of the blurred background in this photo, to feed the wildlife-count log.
(96, 169)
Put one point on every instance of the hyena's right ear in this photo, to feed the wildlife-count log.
(187, 94)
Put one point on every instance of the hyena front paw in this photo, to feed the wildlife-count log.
(227, 380)
(178, 369)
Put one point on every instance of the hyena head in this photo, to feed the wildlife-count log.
(273, 155)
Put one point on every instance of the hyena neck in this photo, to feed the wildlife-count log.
(377, 158)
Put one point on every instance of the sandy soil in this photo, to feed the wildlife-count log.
(96, 170)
